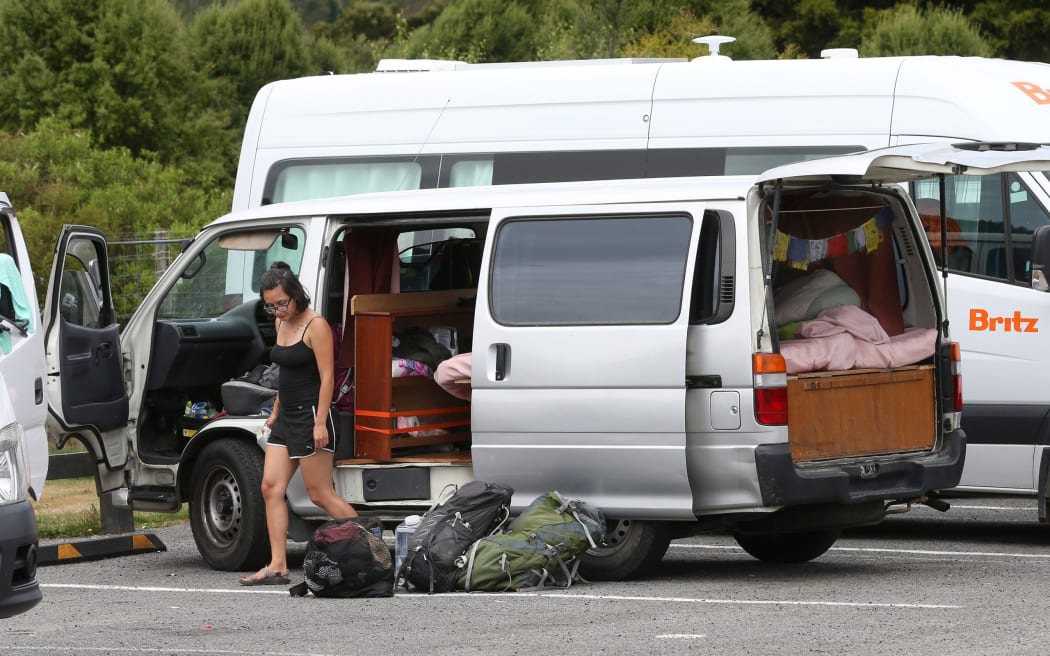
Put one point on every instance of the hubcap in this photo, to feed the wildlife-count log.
(222, 507)
(616, 533)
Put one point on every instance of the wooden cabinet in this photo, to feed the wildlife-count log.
(380, 398)
(844, 414)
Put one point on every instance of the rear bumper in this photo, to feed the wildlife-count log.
(784, 484)
(19, 590)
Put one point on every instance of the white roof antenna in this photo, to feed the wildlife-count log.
(713, 43)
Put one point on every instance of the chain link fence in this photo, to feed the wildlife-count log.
(136, 262)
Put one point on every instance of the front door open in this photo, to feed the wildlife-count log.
(86, 393)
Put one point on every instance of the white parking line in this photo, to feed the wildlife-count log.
(909, 552)
(546, 595)
(681, 636)
(54, 649)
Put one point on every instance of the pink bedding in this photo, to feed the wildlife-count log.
(847, 337)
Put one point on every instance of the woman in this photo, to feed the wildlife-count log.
(302, 433)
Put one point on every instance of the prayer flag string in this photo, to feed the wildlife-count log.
(800, 253)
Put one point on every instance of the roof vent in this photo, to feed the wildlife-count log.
(713, 43)
(839, 53)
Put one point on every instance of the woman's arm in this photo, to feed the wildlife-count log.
(319, 338)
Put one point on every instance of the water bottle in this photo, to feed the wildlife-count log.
(402, 534)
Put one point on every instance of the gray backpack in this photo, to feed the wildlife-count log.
(447, 530)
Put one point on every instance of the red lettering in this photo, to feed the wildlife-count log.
(981, 320)
(1034, 91)
(978, 319)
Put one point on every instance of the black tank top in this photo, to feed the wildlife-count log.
(299, 381)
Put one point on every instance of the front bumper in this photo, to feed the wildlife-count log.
(19, 590)
(857, 481)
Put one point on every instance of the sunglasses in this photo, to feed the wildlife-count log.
(279, 305)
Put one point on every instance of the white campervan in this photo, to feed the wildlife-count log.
(489, 124)
(638, 344)
(23, 442)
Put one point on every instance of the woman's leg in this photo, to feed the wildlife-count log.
(277, 471)
(317, 474)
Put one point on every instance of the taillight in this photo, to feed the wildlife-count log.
(770, 378)
(957, 392)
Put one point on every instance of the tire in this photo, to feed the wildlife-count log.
(788, 547)
(632, 549)
(227, 512)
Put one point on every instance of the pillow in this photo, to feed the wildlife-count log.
(806, 297)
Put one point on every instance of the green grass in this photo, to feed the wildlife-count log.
(69, 509)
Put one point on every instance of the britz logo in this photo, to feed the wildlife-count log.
(1034, 91)
(981, 320)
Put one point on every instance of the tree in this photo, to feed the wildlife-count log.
(906, 30)
(477, 31)
(245, 45)
(57, 175)
(118, 68)
(363, 31)
(733, 18)
(1016, 28)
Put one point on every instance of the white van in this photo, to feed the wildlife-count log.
(625, 349)
(479, 124)
(23, 442)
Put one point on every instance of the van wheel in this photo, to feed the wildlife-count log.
(632, 548)
(227, 512)
(788, 547)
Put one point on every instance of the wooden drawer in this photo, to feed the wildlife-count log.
(860, 412)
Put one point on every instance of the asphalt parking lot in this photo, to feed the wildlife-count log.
(965, 582)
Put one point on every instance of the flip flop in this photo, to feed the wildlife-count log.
(269, 577)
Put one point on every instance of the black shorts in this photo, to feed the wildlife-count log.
(294, 430)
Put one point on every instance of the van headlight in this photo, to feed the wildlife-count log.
(14, 465)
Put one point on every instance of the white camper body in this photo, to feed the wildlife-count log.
(462, 124)
(625, 350)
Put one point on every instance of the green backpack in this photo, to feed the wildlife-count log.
(540, 548)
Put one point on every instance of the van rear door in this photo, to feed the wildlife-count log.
(579, 354)
(86, 393)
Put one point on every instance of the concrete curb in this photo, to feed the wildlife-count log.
(97, 548)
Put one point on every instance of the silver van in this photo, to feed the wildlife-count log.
(631, 344)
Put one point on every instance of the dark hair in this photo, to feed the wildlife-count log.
(281, 275)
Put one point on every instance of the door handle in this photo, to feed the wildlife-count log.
(104, 351)
(501, 360)
(38, 390)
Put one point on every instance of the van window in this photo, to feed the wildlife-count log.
(595, 270)
(304, 181)
(5, 237)
(81, 289)
(222, 277)
(471, 173)
(443, 258)
(990, 221)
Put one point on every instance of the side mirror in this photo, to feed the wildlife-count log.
(289, 241)
(1040, 258)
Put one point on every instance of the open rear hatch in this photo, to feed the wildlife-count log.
(858, 322)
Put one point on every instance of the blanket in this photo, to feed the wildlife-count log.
(847, 337)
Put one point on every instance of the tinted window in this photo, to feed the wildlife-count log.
(600, 270)
(989, 219)
(327, 177)
(520, 168)
(680, 162)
